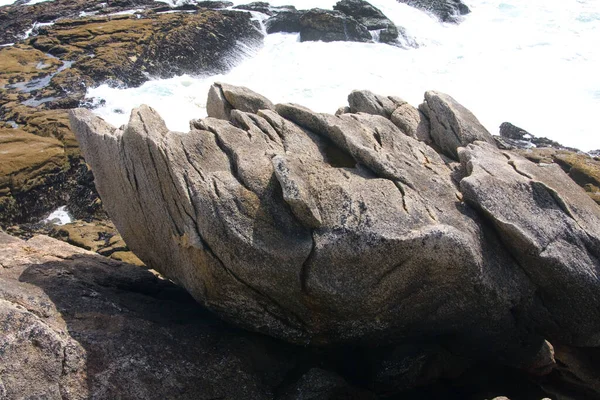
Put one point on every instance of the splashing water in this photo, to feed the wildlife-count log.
(531, 63)
(60, 216)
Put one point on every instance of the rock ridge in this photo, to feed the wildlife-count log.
(377, 224)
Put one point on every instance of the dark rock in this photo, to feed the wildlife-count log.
(517, 138)
(265, 8)
(445, 10)
(214, 4)
(284, 21)
(258, 6)
(329, 26)
(319, 384)
(369, 16)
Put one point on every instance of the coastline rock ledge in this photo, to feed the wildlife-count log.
(358, 227)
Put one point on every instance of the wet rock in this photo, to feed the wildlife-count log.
(285, 21)
(445, 10)
(265, 8)
(370, 16)
(513, 137)
(128, 49)
(452, 125)
(28, 162)
(329, 26)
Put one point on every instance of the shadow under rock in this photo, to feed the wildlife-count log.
(145, 337)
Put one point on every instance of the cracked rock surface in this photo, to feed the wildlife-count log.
(327, 229)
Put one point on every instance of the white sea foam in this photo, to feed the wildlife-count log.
(60, 216)
(532, 63)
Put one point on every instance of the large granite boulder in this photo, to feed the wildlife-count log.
(445, 10)
(330, 26)
(330, 229)
(452, 125)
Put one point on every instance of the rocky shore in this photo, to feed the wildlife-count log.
(387, 251)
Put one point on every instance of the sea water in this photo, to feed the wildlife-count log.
(533, 63)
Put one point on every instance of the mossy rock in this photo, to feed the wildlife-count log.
(23, 63)
(582, 168)
(99, 236)
(28, 159)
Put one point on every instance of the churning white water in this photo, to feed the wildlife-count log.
(534, 63)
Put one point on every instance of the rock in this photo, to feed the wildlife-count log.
(244, 99)
(265, 8)
(406, 117)
(224, 98)
(75, 325)
(445, 10)
(452, 125)
(551, 227)
(100, 237)
(371, 103)
(52, 69)
(578, 373)
(258, 6)
(412, 122)
(582, 168)
(319, 384)
(30, 166)
(285, 21)
(161, 45)
(514, 137)
(329, 26)
(23, 64)
(370, 16)
(332, 230)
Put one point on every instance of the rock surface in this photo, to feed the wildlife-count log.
(75, 325)
(452, 125)
(370, 16)
(329, 26)
(330, 229)
(445, 10)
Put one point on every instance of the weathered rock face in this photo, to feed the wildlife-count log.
(445, 10)
(332, 229)
(329, 26)
(452, 125)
